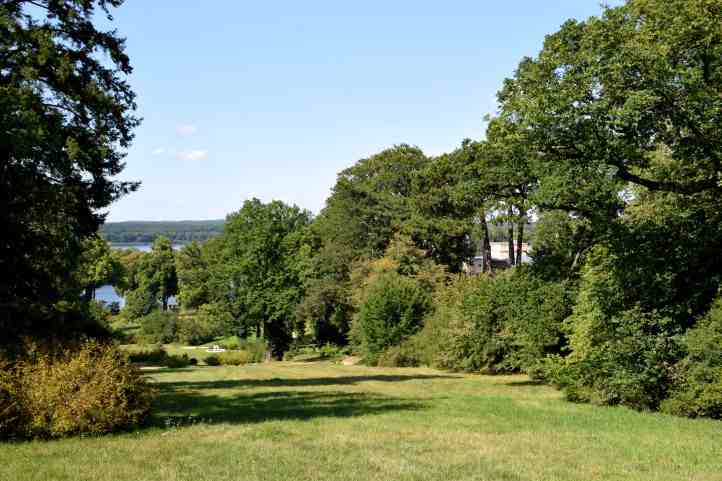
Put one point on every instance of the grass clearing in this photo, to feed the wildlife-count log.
(312, 421)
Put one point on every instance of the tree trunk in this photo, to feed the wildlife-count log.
(486, 244)
(520, 237)
(165, 303)
(510, 213)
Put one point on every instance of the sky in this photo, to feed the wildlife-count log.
(272, 99)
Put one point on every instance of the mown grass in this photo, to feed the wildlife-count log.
(313, 421)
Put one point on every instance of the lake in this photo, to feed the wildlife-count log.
(108, 294)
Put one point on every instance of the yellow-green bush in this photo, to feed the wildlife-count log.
(235, 358)
(88, 389)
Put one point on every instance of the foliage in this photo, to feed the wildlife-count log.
(154, 354)
(97, 266)
(150, 280)
(405, 354)
(392, 310)
(193, 272)
(66, 119)
(234, 358)
(213, 360)
(560, 242)
(621, 353)
(176, 362)
(494, 324)
(160, 327)
(697, 389)
(138, 304)
(256, 275)
(91, 389)
(313, 352)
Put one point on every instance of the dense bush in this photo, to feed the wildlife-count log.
(212, 360)
(405, 354)
(194, 330)
(154, 354)
(90, 389)
(234, 358)
(312, 352)
(160, 327)
(697, 388)
(177, 361)
(256, 348)
(393, 310)
(494, 324)
(239, 357)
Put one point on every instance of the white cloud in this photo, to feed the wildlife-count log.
(159, 151)
(193, 155)
(186, 130)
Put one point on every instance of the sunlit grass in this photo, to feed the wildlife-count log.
(309, 421)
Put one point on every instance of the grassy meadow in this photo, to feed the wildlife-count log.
(314, 421)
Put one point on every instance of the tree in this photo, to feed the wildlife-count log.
(442, 222)
(150, 280)
(158, 272)
(66, 118)
(605, 94)
(97, 266)
(624, 114)
(193, 271)
(257, 275)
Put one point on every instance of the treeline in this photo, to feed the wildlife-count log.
(146, 232)
(611, 139)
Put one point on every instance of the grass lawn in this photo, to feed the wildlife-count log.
(312, 421)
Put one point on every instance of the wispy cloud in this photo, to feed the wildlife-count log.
(159, 151)
(193, 155)
(187, 130)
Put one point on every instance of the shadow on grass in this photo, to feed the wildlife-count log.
(178, 408)
(300, 382)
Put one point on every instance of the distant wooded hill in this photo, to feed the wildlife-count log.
(147, 231)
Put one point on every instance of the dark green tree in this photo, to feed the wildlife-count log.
(66, 118)
(158, 272)
(193, 271)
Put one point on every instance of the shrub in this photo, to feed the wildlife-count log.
(193, 330)
(138, 303)
(620, 351)
(493, 324)
(232, 343)
(90, 389)
(257, 349)
(403, 355)
(212, 360)
(160, 326)
(330, 351)
(177, 361)
(147, 354)
(392, 311)
(235, 358)
(631, 367)
(697, 388)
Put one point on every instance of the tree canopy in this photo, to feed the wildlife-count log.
(66, 118)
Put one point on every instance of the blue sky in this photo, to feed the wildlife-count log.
(272, 99)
